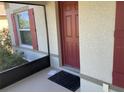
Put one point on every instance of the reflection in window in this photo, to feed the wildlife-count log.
(26, 37)
(23, 20)
(24, 28)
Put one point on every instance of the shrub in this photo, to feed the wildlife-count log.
(8, 59)
(5, 40)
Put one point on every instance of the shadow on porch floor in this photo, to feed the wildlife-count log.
(36, 83)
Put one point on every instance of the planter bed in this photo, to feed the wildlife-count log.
(17, 73)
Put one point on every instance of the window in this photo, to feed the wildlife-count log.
(24, 29)
(23, 26)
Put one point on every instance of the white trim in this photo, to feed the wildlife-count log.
(26, 46)
(24, 29)
(58, 34)
(22, 9)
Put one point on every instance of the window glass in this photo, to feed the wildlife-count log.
(23, 19)
(26, 37)
(24, 28)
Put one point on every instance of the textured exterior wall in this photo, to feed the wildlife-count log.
(3, 18)
(3, 23)
(96, 33)
(52, 27)
(52, 30)
(2, 9)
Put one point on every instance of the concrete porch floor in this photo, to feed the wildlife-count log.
(37, 82)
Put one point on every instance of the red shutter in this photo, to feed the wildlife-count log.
(33, 29)
(118, 66)
(15, 30)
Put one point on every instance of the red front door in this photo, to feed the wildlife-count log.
(69, 33)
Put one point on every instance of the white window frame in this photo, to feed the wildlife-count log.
(18, 30)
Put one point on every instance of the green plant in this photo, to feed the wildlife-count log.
(5, 40)
(8, 59)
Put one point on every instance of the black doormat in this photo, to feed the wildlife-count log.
(66, 80)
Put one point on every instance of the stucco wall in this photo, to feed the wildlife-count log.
(2, 9)
(39, 20)
(87, 86)
(52, 30)
(52, 27)
(3, 19)
(3, 23)
(96, 33)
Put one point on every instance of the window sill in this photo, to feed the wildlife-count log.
(26, 46)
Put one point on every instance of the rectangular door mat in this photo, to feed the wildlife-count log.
(66, 80)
